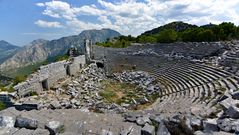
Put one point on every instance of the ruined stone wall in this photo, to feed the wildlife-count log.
(48, 75)
(77, 64)
(53, 72)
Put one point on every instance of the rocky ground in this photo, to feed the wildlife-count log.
(92, 90)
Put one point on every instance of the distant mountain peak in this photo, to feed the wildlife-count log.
(40, 49)
(6, 44)
(7, 50)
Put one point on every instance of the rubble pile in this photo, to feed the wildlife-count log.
(141, 79)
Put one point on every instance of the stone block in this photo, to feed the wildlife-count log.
(233, 112)
(162, 130)
(210, 125)
(55, 127)
(7, 121)
(28, 123)
(224, 124)
(148, 130)
(235, 95)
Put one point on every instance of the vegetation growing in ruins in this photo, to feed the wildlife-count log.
(119, 42)
(2, 106)
(33, 93)
(7, 89)
(179, 31)
(117, 92)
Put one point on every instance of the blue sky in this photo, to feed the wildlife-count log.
(25, 20)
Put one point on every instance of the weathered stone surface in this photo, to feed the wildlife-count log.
(226, 103)
(141, 121)
(28, 123)
(7, 121)
(55, 105)
(155, 118)
(130, 117)
(148, 130)
(210, 125)
(235, 95)
(233, 112)
(224, 124)
(7, 131)
(106, 132)
(126, 131)
(162, 130)
(195, 123)
(40, 132)
(55, 127)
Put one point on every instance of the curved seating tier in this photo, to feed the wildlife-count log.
(184, 84)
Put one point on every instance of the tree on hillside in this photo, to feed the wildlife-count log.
(206, 35)
(146, 39)
(167, 36)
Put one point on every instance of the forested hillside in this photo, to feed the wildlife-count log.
(179, 31)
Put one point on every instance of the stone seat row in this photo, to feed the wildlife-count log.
(200, 85)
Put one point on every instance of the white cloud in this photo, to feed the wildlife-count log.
(134, 17)
(46, 24)
(40, 4)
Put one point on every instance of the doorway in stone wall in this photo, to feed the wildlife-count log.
(68, 70)
(100, 64)
(45, 84)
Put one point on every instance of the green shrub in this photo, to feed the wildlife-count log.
(19, 79)
(33, 93)
(2, 106)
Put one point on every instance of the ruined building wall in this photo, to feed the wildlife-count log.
(77, 64)
(48, 75)
(52, 73)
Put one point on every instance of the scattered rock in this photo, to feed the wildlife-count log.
(22, 122)
(210, 125)
(130, 117)
(235, 95)
(233, 112)
(106, 132)
(162, 129)
(55, 127)
(148, 130)
(7, 121)
(126, 131)
(141, 121)
(224, 124)
(55, 105)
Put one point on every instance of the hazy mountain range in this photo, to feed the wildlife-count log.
(39, 50)
(7, 50)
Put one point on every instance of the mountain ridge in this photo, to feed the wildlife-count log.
(40, 49)
(7, 50)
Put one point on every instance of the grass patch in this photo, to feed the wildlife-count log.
(33, 93)
(2, 106)
(9, 90)
(117, 92)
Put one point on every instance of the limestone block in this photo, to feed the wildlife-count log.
(148, 130)
(55, 127)
(233, 112)
(210, 125)
(7, 121)
(28, 123)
